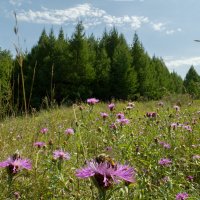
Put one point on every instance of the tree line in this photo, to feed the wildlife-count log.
(61, 69)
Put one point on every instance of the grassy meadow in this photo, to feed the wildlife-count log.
(163, 148)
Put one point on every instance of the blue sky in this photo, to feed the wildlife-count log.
(166, 28)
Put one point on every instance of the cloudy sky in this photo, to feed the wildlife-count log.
(166, 28)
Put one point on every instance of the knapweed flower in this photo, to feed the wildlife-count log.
(165, 179)
(161, 104)
(164, 162)
(130, 106)
(165, 145)
(113, 126)
(14, 164)
(111, 106)
(195, 157)
(39, 144)
(123, 121)
(106, 173)
(177, 108)
(190, 178)
(182, 196)
(120, 115)
(44, 130)
(61, 155)
(108, 148)
(92, 101)
(104, 115)
(69, 131)
(151, 114)
(174, 125)
(187, 127)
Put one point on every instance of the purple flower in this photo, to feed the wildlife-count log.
(161, 104)
(174, 125)
(69, 131)
(190, 178)
(165, 145)
(123, 121)
(120, 115)
(164, 162)
(104, 115)
(111, 106)
(187, 127)
(131, 104)
(182, 196)
(39, 144)
(15, 164)
(105, 173)
(59, 154)
(92, 101)
(165, 179)
(177, 108)
(113, 126)
(108, 148)
(44, 130)
(195, 157)
(151, 114)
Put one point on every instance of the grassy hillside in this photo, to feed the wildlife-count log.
(162, 146)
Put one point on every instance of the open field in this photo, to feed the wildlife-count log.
(162, 146)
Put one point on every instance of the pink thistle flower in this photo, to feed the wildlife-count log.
(104, 115)
(15, 164)
(182, 196)
(92, 101)
(59, 154)
(165, 145)
(188, 128)
(123, 121)
(113, 126)
(151, 114)
(120, 115)
(39, 144)
(195, 157)
(44, 130)
(190, 178)
(177, 108)
(165, 179)
(69, 131)
(161, 104)
(131, 104)
(106, 173)
(111, 106)
(173, 125)
(164, 162)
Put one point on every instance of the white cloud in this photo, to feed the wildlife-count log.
(158, 26)
(163, 28)
(90, 16)
(180, 62)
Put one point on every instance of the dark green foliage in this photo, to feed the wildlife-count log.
(6, 66)
(62, 70)
(81, 69)
(192, 83)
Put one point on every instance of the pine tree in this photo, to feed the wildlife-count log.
(81, 72)
(192, 83)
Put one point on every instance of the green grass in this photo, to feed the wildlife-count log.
(136, 143)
